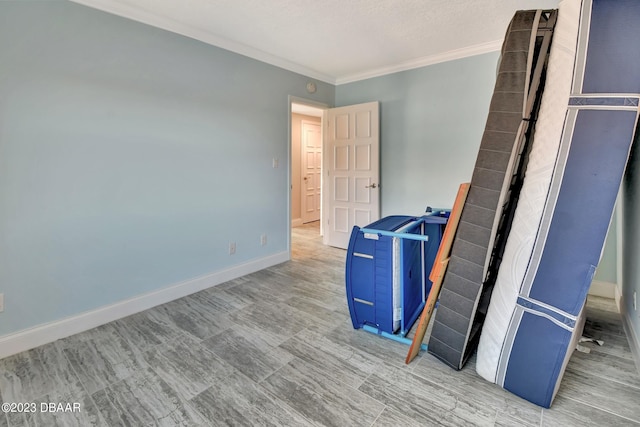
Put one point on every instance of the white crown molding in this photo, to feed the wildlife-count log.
(131, 12)
(145, 17)
(43, 334)
(451, 55)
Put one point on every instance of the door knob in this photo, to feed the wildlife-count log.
(371, 186)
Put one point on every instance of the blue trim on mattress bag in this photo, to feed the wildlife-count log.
(530, 305)
(537, 355)
(597, 158)
(620, 101)
(612, 64)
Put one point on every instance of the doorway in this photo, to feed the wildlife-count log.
(349, 192)
(306, 165)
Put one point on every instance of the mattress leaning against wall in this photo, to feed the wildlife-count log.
(457, 324)
(567, 199)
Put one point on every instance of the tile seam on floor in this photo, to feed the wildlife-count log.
(573, 369)
(84, 387)
(602, 409)
(281, 402)
(73, 372)
(384, 407)
(459, 394)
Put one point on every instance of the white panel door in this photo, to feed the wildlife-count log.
(352, 170)
(311, 171)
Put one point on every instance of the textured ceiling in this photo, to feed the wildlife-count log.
(335, 40)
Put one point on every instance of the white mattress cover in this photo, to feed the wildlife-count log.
(533, 197)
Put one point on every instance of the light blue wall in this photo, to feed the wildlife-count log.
(608, 269)
(631, 237)
(432, 120)
(129, 158)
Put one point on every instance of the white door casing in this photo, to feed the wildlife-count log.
(311, 175)
(352, 161)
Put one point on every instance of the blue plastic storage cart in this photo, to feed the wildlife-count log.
(387, 271)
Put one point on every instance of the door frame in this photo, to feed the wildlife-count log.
(321, 106)
(303, 191)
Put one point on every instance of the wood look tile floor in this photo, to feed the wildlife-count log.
(277, 348)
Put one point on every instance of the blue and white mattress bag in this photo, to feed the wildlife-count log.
(583, 136)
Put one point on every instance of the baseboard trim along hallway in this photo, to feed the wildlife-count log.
(52, 331)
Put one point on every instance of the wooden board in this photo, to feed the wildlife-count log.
(438, 270)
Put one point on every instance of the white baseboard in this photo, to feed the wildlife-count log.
(603, 289)
(52, 331)
(618, 298)
(632, 335)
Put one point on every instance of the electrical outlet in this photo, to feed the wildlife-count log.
(276, 163)
(232, 248)
(263, 239)
(1, 303)
(635, 307)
